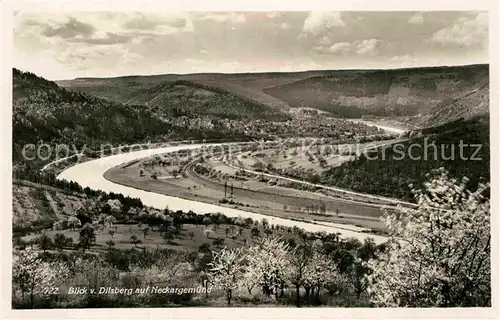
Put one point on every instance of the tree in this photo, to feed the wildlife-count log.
(265, 223)
(169, 235)
(45, 242)
(356, 274)
(109, 220)
(218, 242)
(60, 241)
(146, 231)
(115, 205)
(240, 221)
(300, 258)
(248, 221)
(322, 208)
(226, 271)
(255, 232)
(208, 232)
(268, 261)
(175, 173)
(87, 236)
(31, 275)
(207, 221)
(438, 254)
(357, 269)
(135, 241)
(191, 235)
(74, 223)
(318, 273)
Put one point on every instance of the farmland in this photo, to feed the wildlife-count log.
(211, 180)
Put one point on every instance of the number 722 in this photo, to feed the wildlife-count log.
(51, 290)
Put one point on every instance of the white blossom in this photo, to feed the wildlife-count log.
(438, 254)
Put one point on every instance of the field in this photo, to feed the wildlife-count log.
(190, 238)
(274, 197)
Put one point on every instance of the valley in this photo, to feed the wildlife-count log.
(171, 170)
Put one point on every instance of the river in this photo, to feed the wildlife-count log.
(388, 129)
(91, 174)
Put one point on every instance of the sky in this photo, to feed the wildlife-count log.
(107, 44)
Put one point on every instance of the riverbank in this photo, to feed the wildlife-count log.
(91, 174)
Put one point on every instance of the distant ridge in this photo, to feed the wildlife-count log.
(267, 73)
(351, 93)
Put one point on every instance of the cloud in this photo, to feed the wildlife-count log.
(283, 26)
(360, 47)
(78, 56)
(464, 33)
(273, 15)
(318, 22)
(367, 46)
(64, 45)
(232, 17)
(106, 39)
(72, 28)
(417, 18)
(157, 24)
(405, 61)
(325, 41)
(143, 22)
(140, 23)
(340, 47)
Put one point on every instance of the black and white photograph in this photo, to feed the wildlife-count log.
(250, 159)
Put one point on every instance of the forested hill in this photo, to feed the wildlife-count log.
(391, 175)
(387, 93)
(181, 97)
(470, 104)
(45, 112)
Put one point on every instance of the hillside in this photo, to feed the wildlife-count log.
(38, 206)
(412, 92)
(470, 104)
(186, 98)
(388, 172)
(244, 85)
(45, 113)
(398, 92)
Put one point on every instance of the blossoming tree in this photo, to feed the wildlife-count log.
(268, 260)
(226, 271)
(438, 255)
(31, 275)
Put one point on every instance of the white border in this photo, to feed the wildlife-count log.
(7, 9)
